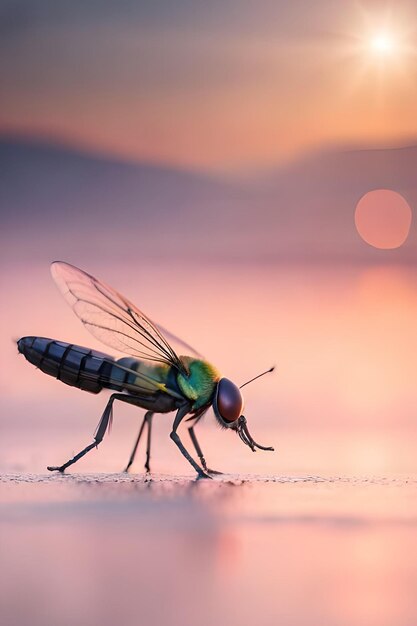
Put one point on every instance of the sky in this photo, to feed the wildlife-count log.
(209, 85)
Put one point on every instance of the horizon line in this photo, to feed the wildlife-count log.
(88, 149)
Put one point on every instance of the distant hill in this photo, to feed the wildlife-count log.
(57, 201)
(55, 196)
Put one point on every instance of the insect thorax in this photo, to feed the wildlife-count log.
(200, 385)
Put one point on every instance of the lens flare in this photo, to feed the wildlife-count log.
(383, 219)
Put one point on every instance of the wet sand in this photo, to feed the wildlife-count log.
(129, 549)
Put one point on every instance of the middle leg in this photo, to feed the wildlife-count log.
(146, 420)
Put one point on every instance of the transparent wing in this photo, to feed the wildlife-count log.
(177, 343)
(113, 319)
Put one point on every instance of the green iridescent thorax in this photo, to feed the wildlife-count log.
(199, 386)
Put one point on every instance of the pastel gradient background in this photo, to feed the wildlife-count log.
(207, 159)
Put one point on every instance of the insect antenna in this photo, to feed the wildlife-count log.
(271, 369)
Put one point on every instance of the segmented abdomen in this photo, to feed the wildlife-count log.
(80, 367)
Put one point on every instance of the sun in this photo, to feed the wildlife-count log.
(382, 53)
(382, 44)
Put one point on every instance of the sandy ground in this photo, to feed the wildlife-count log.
(129, 549)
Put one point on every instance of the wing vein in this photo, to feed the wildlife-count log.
(114, 320)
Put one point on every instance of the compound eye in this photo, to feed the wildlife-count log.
(229, 400)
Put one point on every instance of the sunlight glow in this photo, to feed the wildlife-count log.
(383, 55)
(383, 44)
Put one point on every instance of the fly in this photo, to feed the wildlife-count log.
(153, 376)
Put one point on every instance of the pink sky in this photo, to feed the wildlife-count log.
(215, 85)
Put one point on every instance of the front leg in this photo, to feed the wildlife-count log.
(181, 413)
(198, 449)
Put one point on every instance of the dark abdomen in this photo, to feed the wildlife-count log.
(80, 367)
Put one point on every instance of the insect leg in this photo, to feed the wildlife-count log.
(181, 413)
(198, 448)
(99, 434)
(146, 420)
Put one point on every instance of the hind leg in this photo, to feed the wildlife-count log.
(102, 427)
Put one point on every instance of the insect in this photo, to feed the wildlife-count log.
(152, 377)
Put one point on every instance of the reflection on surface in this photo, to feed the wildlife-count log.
(101, 550)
